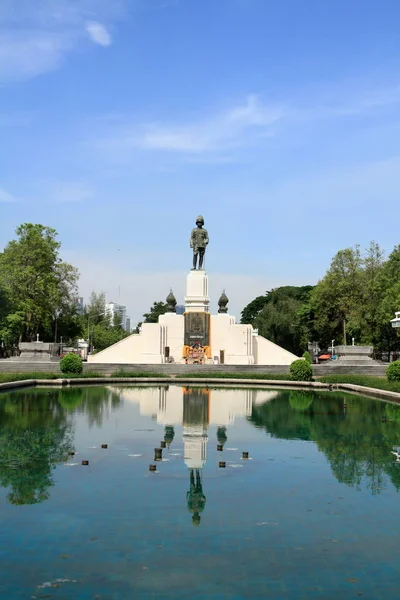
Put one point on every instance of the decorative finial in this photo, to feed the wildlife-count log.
(223, 303)
(171, 302)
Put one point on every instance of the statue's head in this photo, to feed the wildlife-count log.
(200, 221)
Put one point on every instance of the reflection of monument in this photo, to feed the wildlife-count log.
(196, 414)
(172, 407)
(197, 336)
(195, 409)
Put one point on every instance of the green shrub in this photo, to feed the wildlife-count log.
(393, 371)
(307, 357)
(71, 363)
(300, 370)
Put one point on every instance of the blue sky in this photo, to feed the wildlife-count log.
(278, 120)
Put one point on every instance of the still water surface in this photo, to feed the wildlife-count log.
(314, 512)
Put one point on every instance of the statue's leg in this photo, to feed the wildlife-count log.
(201, 258)
(195, 255)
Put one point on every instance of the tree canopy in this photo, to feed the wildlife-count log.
(276, 316)
(356, 298)
(35, 284)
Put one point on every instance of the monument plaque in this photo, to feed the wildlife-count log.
(197, 328)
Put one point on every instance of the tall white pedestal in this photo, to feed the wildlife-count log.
(197, 298)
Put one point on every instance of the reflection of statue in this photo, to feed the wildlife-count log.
(195, 498)
(198, 241)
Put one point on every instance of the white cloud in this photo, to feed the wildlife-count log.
(6, 196)
(25, 55)
(215, 137)
(36, 36)
(222, 131)
(98, 34)
(234, 127)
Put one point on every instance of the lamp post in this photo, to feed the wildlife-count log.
(88, 326)
(56, 315)
(395, 322)
(333, 341)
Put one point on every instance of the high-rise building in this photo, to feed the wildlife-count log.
(113, 309)
(128, 324)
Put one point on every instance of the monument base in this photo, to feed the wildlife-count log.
(218, 337)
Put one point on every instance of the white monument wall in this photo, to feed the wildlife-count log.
(268, 353)
(175, 328)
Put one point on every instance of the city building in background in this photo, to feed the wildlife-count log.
(180, 309)
(112, 309)
(128, 327)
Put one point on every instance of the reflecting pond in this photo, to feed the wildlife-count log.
(312, 513)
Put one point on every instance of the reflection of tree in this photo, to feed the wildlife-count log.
(392, 412)
(70, 398)
(350, 430)
(300, 400)
(34, 437)
(94, 401)
(195, 498)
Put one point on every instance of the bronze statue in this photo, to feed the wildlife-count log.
(198, 241)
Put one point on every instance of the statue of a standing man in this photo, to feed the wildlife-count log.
(198, 241)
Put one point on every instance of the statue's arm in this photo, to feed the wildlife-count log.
(206, 239)
(191, 240)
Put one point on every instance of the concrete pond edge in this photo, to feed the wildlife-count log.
(208, 381)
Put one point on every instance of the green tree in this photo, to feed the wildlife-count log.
(374, 285)
(158, 308)
(96, 309)
(278, 320)
(337, 298)
(253, 309)
(385, 337)
(104, 335)
(36, 282)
